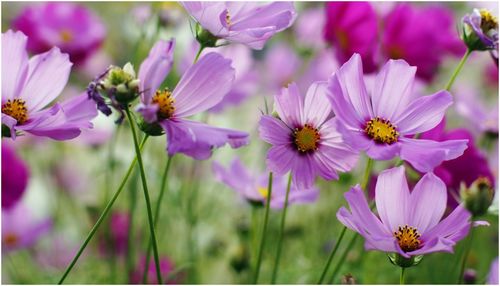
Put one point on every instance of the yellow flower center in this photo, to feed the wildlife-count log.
(66, 35)
(165, 103)
(16, 109)
(488, 21)
(306, 139)
(408, 238)
(10, 239)
(263, 192)
(381, 130)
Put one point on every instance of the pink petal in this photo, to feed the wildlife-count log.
(280, 159)
(15, 64)
(289, 105)
(317, 106)
(274, 131)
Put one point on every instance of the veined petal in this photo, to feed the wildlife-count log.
(203, 85)
(207, 14)
(15, 64)
(280, 159)
(437, 244)
(383, 151)
(392, 198)
(289, 105)
(274, 131)
(303, 171)
(317, 106)
(427, 202)
(424, 113)
(392, 90)
(235, 177)
(454, 227)
(48, 74)
(155, 68)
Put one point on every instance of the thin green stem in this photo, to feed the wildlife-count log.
(458, 69)
(366, 174)
(332, 254)
(466, 254)
(282, 232)
(146, 195)
(402, 276)
(264, 228)
(199, 53)
(102, 217)
(342, 258)
(157, 216)
(133, 187)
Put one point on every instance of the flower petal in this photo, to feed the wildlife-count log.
(274, 131)
(207, 14)
(438, 244)
(317, 106)
(392, 198)
(155, 68)
(392, 90)
(454, 227)
(280, 159)
(303, 171)
(236, 176)
(48, 74)
(15, 63)
(427, 202)
(289, 106)
(382, 151)
(203, 85)
(424, 113)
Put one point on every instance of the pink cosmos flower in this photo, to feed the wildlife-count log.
(201, 87)
(351, 27)
(15, 175)
(73, 28)
(383, 119)
(280, 65)
(304, 137)
(29, 85)
(254, 188)
(21, 229)
(248, 23)
(411, 32)
(309, 28)
(408, 223)
(483, 116)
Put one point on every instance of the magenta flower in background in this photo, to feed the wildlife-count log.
(382, 120)
(469, 167)
(493, 275)
(166, 268)
(15, 175)
(491, 75)
(249, 23)
(351, 27)
(21, 229)
(410, 33)
(73, 28)
(253, 188)
(29, 85)
(116, 241)
(304, 137)
(309, 28)
(201, 87)
(409, 223)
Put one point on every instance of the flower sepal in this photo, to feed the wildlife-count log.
(404, 262)
(478, 197)
(205, 38)
(152, 129)
(121, 84)
(6, 131)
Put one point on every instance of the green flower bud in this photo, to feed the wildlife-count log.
(204, 37)
(152, 129)
(404, 262)
(478, 197)
(121, 84)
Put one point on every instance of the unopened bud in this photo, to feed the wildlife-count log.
(478, 197)
(121, 84)
(348, 279)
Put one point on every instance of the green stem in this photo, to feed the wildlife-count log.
(199, 53)
(157, 216)
(402, 276)
(133, 186)
(342, 258)
(458, 69)
(102, 217)
(146, 195)
(466, 253)
(364, 184)
(282, 232)
(264, 228)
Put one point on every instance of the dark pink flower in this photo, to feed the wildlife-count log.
(15, 176)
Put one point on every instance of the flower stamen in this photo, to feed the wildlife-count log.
(408, 238)
(165, 103)
(488, 21)
(381, 130)
(306, 139)
(16, 109)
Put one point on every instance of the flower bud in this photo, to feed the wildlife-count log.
(348, 279)
(478, 197)
(480, 30)
(404, 262)
(470, 276)
(152, 129)
(240, 259)
(121, 84)
(204, 37)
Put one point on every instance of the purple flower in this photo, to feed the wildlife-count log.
(469, 167)
(351, 27)
(309, 28)
(381, 120)
(21, 229)
(249, 23)
(481, 30)
(409, 223)
(254, 188)
(29, 85)
(305, 140)
(281, 65)
(321, 67)
(118, 234)
(166, 268)
(484, 118)
(15, 176)
(71, 27)
(201, 87)
(410, 33)
(493, 275)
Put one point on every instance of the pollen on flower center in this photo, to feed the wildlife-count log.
(408, 238)
(16, 109)
(381, 130)
(306, 138)
(165, 103)
(66, 35)
(263, 192)
(10, 239)
(488, 21)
